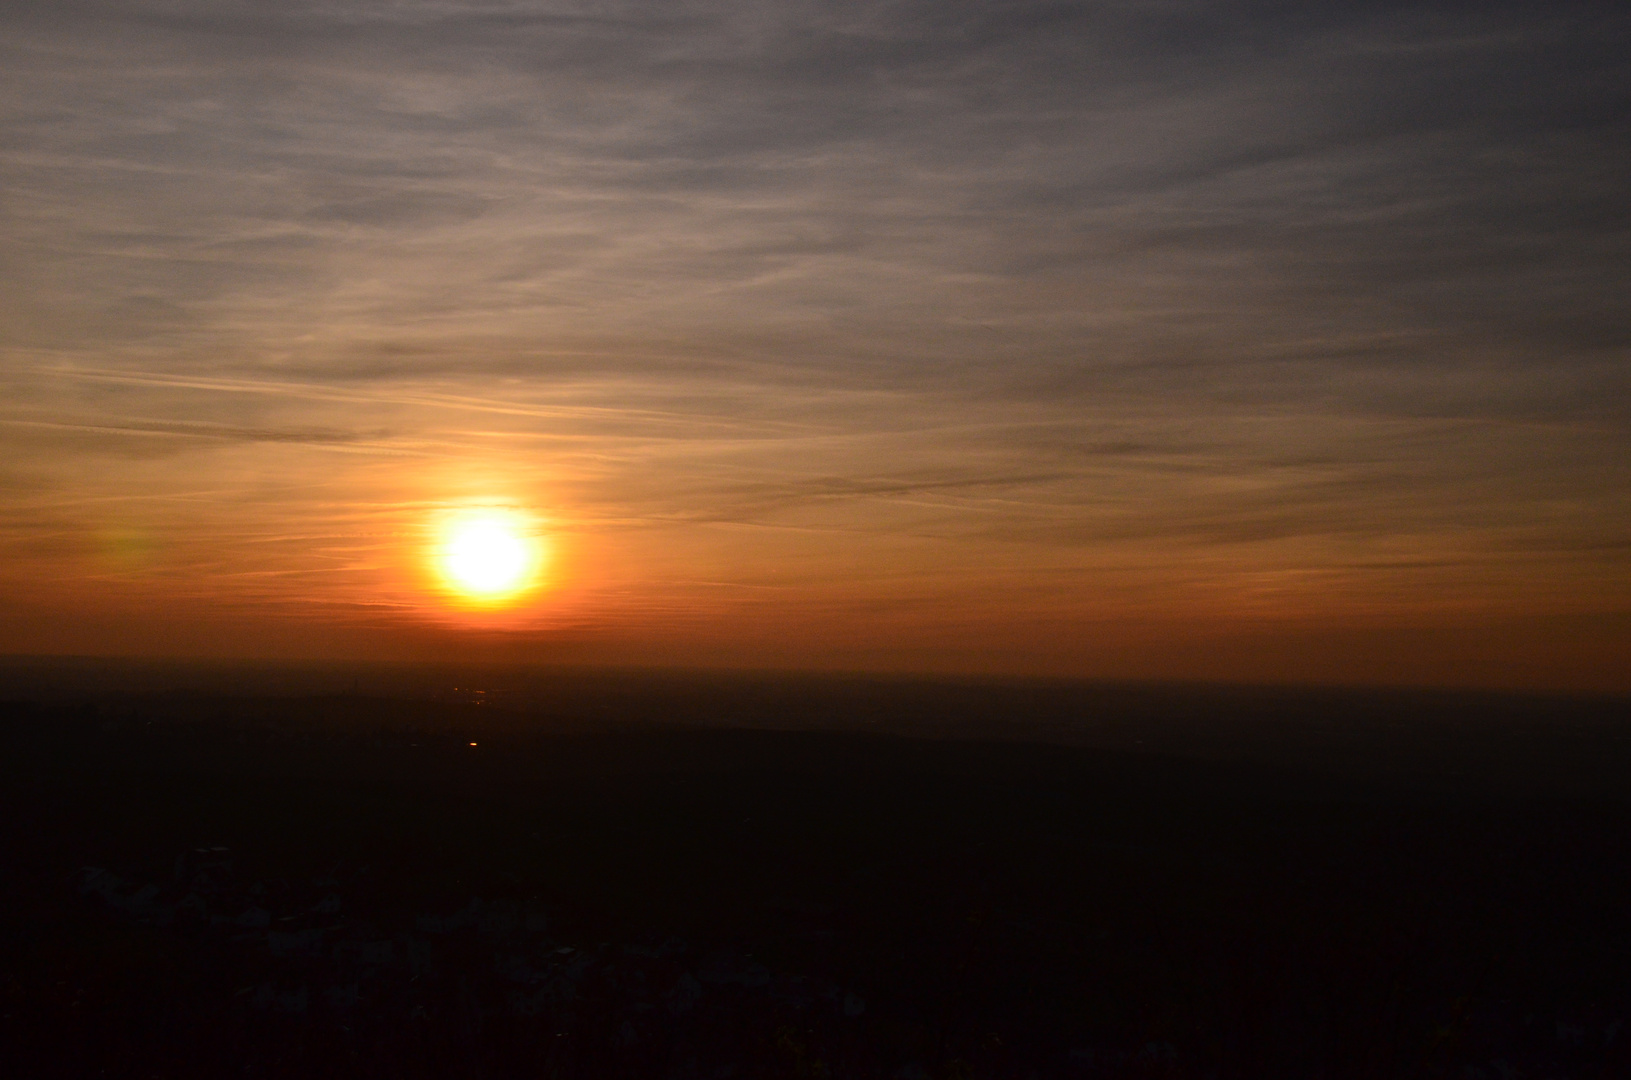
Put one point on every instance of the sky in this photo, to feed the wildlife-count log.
(1143, 339)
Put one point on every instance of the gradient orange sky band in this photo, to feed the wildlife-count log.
(1213, 340)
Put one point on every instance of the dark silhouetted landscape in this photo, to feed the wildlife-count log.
(261, 871)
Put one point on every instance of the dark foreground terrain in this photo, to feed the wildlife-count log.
(751, 878)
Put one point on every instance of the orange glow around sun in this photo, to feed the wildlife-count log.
(488, 557)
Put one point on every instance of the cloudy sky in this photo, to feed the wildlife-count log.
(1141, 338)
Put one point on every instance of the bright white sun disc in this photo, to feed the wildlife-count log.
(488, 557)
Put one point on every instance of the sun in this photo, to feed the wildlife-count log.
(488, 557)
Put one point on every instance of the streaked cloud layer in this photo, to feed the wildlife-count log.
(1094, 338)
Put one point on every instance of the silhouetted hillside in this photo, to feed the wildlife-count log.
(690, 876)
